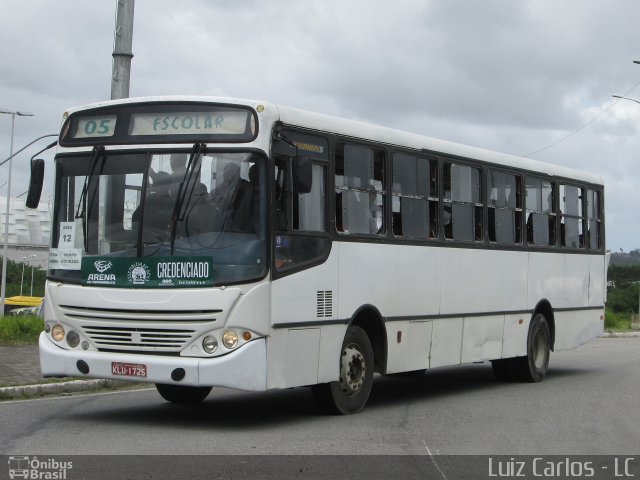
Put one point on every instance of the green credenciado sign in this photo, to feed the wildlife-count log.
(147, 272)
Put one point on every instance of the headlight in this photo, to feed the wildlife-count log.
(210, 344)
(57, 333)
(73, 339)
(230, 339)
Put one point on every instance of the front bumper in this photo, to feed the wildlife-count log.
(244, 369)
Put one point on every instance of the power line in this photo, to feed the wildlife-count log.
(571, 134)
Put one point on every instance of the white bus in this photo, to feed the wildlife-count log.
(202, 242)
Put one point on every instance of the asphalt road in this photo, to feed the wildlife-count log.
(589, 404)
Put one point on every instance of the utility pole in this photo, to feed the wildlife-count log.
(122, 51)
(3, 280)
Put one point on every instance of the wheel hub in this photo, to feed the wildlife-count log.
(539, 350)
(352, 370)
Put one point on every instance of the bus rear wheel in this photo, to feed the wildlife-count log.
(182, 394)
(351, 392)
(532, 367)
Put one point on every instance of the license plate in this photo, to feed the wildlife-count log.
(128, 369)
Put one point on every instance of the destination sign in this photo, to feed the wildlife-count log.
(158, 122)
(189, 123)
(91, 127)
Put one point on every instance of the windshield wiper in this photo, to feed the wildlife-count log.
(96, 155)
(185, 191)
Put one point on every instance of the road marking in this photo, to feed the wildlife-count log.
(433, 460)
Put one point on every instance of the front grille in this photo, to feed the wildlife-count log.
(107, 314)
(138, 339)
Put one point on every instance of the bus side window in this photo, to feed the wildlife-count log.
(504, 208)
(540, 211)
(300, 219)
(415, 197)
(360, 190)
(594, 220)
(463, 209)
(571, 228)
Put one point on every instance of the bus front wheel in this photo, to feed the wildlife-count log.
(182, 394)
(351, 392)
(532, 367)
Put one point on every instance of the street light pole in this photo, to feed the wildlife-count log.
(22, 279)
(31, 294)
(122, 55)
(7, 210)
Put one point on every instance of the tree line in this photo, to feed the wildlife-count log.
(623, 288)
(15, 279)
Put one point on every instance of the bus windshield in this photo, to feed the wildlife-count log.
(161, 204)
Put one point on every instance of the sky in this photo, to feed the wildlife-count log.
(529, 77)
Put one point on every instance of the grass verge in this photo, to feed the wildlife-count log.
(20, 329)
(619, 322)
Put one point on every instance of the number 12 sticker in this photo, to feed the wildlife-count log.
(67, 235)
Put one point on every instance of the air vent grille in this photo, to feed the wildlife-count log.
(324, 307)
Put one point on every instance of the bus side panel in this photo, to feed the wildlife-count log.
(303, 348)
(413, 287)
(516, 330)
(482, 338)
(576, 328)
(307, 296)
(571, 283)
(482, 281)
(331, 339)
(597, 280)
(397, 282)
(412, 350)
(561, 279)
(446, 342)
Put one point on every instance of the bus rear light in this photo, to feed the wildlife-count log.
(57, 333)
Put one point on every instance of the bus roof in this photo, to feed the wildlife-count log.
(364, 131)
(391, 136)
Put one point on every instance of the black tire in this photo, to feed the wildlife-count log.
(532, 367)
(350, 393)
(181, 394)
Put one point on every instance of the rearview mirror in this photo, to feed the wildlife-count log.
(302, 174)
(35, 184)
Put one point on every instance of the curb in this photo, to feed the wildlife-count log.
(73, 386)
(620, 335)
